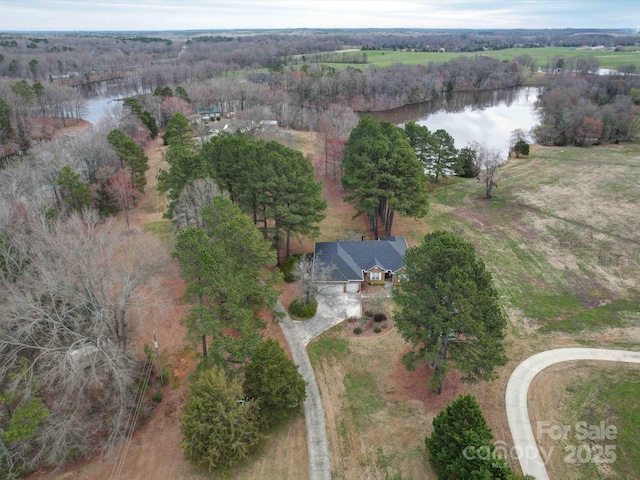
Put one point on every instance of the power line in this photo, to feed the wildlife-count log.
(131, 422)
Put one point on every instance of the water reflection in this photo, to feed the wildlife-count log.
(487, 116)
(101, 94)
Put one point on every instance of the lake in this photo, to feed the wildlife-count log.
(486, 116)
(100, 95)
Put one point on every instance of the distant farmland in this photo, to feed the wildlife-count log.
(542, 56)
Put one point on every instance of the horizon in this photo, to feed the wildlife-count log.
(630, 31)
(63, 16)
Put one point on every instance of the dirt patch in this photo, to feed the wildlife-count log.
(480, 222)
(413, 385)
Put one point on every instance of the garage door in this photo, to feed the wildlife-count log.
(352, 287)
(331, 288)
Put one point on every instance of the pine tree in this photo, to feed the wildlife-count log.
(382, 174)
(458, 432)
(273, 380)
(448, 295)
(73, 192)
(131, 155)
(219, 427)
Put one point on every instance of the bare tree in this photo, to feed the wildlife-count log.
(64, 333)
(488, 160)
(193, 198)
(311, 272)
(121, 193)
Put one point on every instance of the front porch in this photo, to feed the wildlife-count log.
(377, 291)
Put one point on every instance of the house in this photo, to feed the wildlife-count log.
(345, 267)
(209, 114)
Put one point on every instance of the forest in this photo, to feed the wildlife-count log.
(73, 285)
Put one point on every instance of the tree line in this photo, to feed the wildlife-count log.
(62, 54)
(588, 109)
(246, 386)
(73, 285)
(272, 183)
(386, 168)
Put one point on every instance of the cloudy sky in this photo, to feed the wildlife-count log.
(245, 14)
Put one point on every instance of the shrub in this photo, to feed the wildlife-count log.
(288, 267)
(157, 397)
(376, 282)
(166, 375)
(302, 308)
(379, 317)
(377, 330)
(457, 428)
(357, 330)
(521, 148)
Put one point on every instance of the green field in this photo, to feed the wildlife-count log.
(542, 56)
(560, 236)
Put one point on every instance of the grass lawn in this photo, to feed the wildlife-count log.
(162, 229)
(560, 235)
(371, 434)
(607, 395)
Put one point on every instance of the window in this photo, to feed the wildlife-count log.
(376, 275)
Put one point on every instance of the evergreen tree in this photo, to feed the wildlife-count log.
(467, 166)
(273, 183)
(178, 131)
(448, 295)
(185, 166)
(273, 380)
(6, 132)
(460, 446)
(144, 116)
(182, 93)
(73, 191)
(163, 92)
(219, 427)
(131, 155)
(436, 150)
(382, 174)
(225, 264)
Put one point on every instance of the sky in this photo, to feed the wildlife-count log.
(144, 15)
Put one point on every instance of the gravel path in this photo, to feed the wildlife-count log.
(332, 309)
(516, 398)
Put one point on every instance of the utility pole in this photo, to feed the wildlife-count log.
(155, 345)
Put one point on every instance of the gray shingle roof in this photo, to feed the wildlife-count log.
(350, 259)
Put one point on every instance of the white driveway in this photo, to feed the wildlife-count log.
(516, 398)
(332, 309)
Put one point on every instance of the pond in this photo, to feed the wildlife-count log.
(102, 95)
(486, 116)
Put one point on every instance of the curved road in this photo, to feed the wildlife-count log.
(516, 398)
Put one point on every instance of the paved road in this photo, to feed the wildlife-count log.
(516, 398)
(331, 311)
